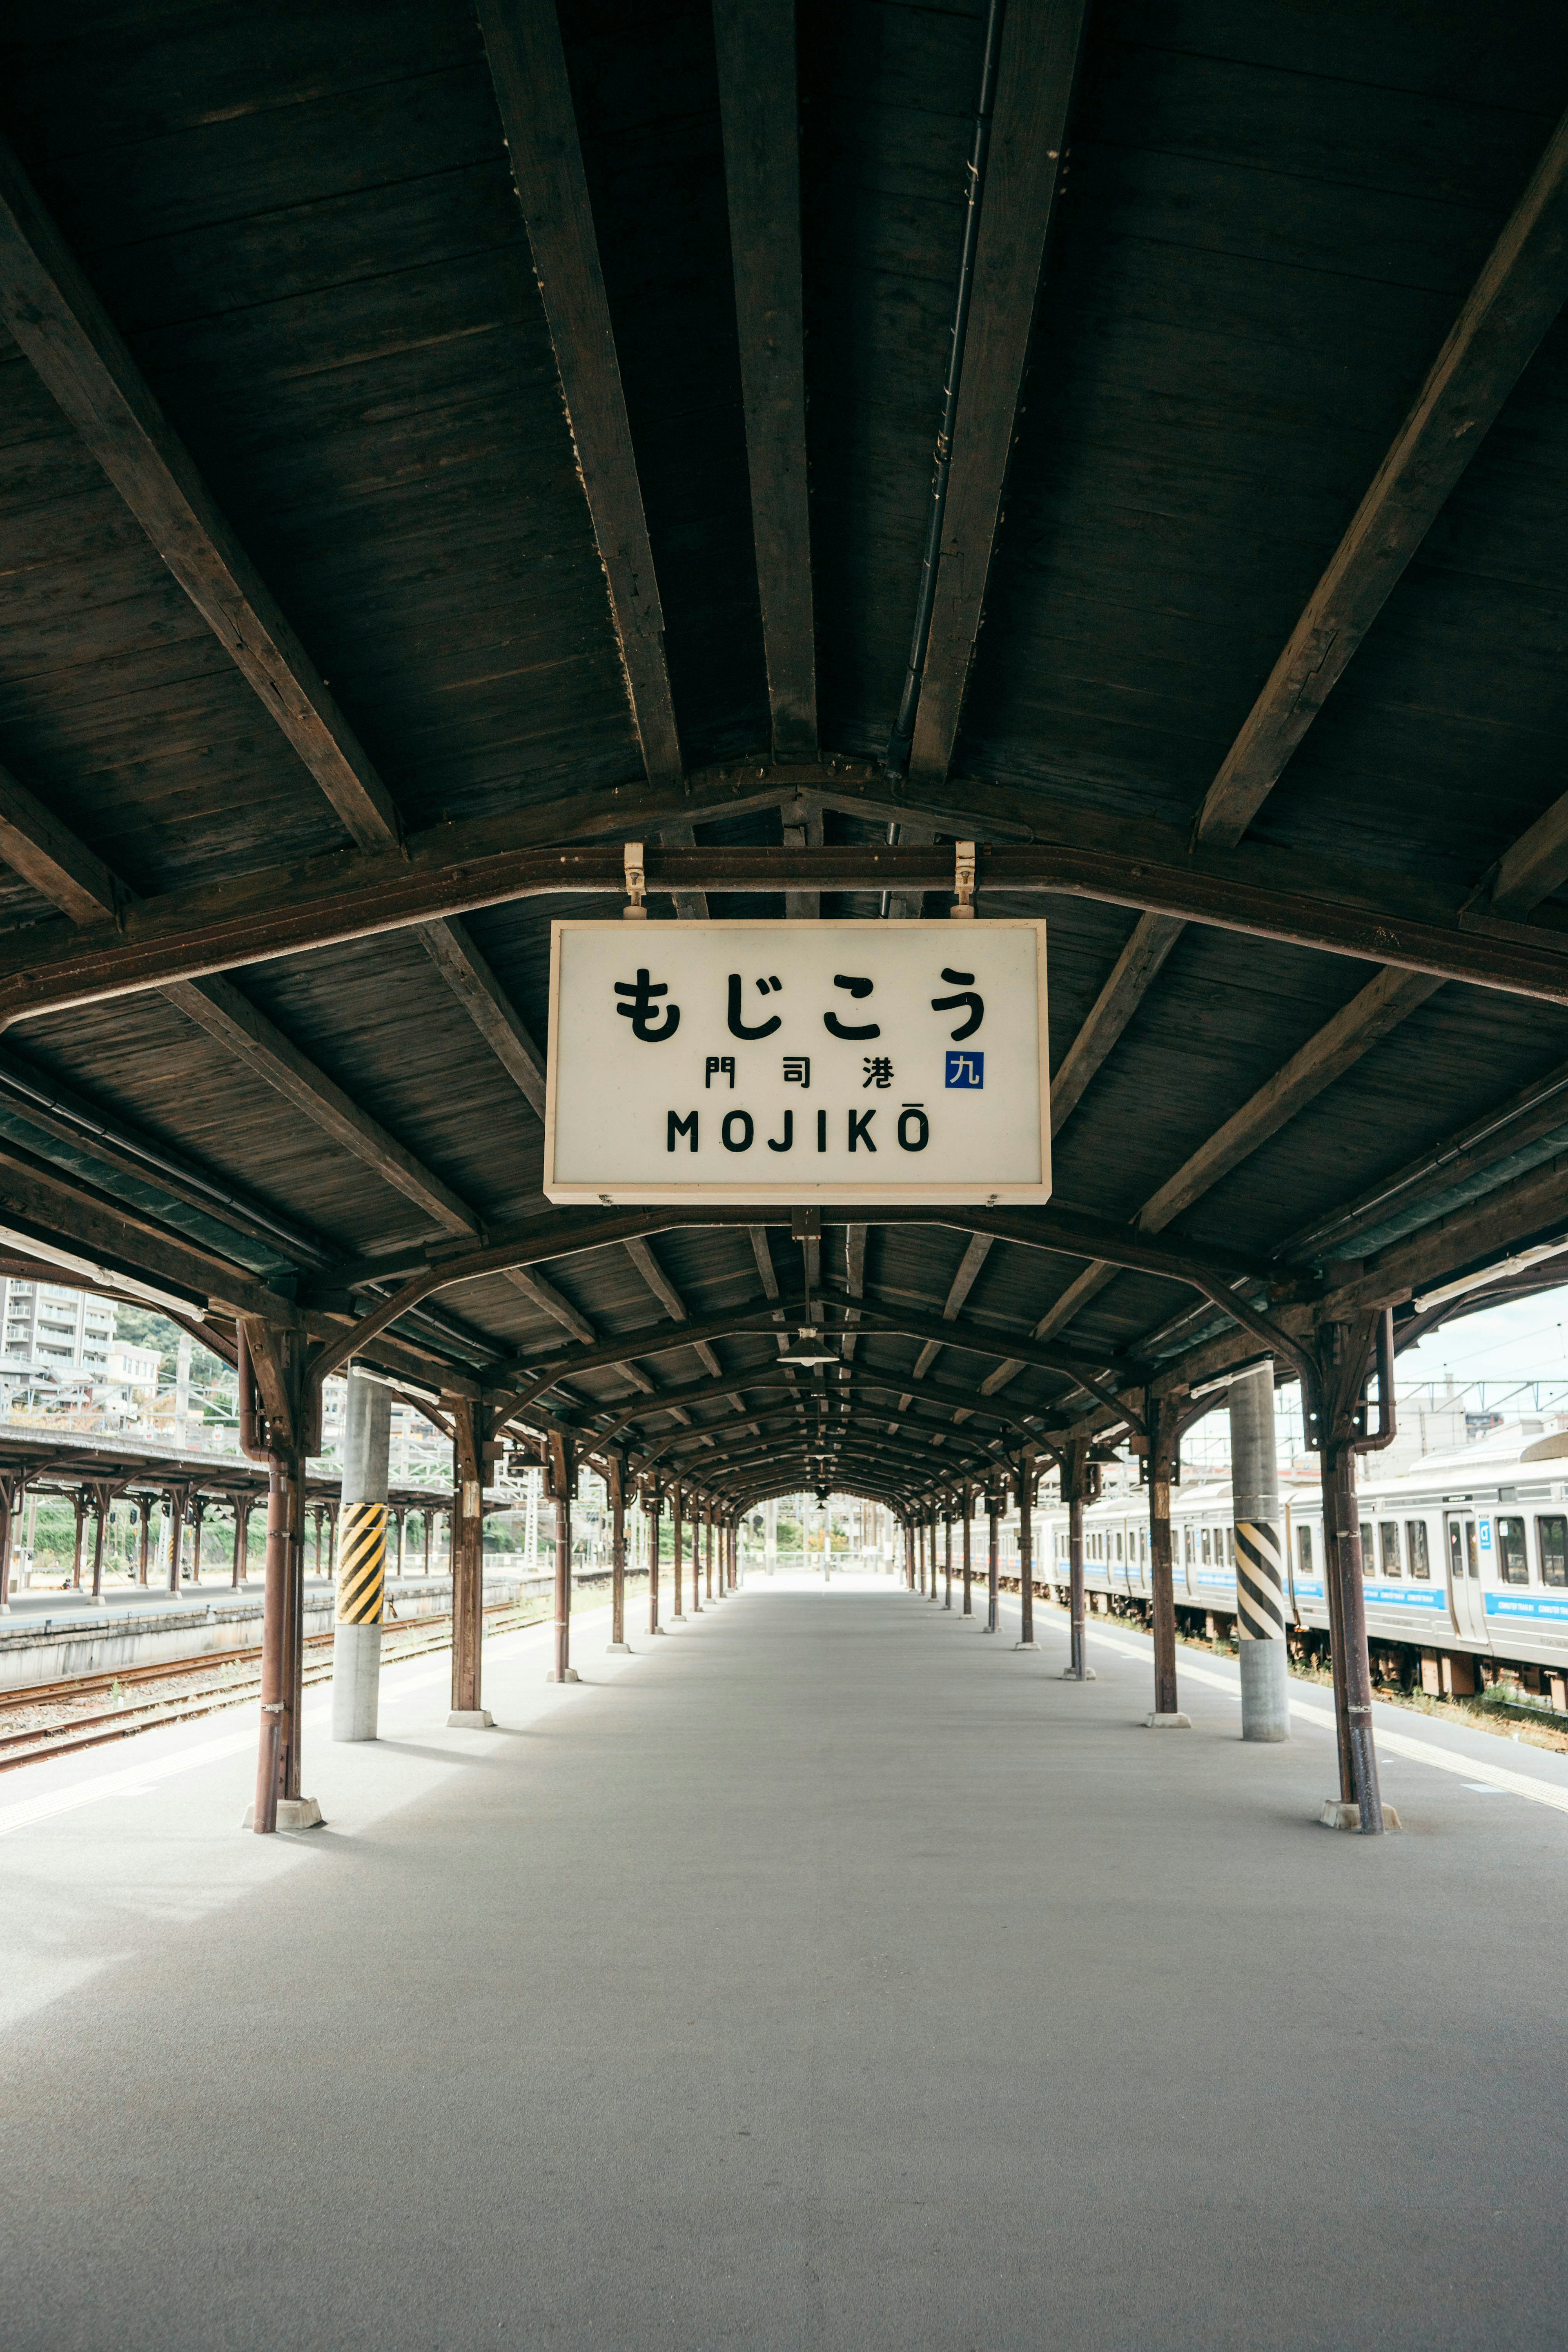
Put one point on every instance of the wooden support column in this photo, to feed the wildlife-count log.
(561, 1485)
(1079, 1486)
(79, 1499)
(947, 1562)
(993, 1554)
(1026, 1487)
(101, 1494)
(1163, 1422)
(198, 1518)
(469, 1422)
(13, 1486)
(144, 1516)
(616, 1486)
(676, 1615)
(653, 1504)
(697, 1559)
(1337, 1414)
(968, 1495)
(709, 1556)
(243, 1507)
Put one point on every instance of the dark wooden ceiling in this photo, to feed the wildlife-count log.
(536, 550)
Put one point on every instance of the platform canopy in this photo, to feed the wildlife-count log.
(438, 448)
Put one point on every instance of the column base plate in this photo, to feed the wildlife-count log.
(1337, 1815)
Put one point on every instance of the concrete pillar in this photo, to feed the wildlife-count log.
(1259, 1559)
(362, 1565)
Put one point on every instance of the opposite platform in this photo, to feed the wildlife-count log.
(828, 1975)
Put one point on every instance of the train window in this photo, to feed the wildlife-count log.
(1368, 1556)
(1229, 1540)
(1189, 1547)
(1142, 1546)
(1203, 1541)
(1512, 1562)
(1304, 1550)
(1416, 1545)
(1552, 1537)
(1462, 1551)
(1119, 1545)
(1388, 1548)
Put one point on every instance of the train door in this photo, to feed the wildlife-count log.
(1464, 1575)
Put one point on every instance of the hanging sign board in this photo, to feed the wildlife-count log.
(795, 1062)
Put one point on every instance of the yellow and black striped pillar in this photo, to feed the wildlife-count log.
(362, 1560)
(361, 1563)
(1261, 1595)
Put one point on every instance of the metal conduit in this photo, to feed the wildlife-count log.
(26, 1090)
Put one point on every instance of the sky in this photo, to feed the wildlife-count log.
(1509, 1359)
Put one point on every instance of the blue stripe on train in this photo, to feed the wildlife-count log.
(1511, 1605)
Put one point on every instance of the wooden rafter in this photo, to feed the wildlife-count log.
(1519, 292)
(755, 44)
(66, 872)
(67, 334)
(1040, 44)
(528, 70)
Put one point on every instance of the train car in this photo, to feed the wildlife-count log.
(1465, 1563)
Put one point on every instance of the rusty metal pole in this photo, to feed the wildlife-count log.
(696, 1559)
(294, 1657)
(615, 1481)
(1026, 1552)
(176, 1501)
(968, 1524)
(274, 1648)
(100, 1529)
(465, 1552)
(12, 1489)
(144, 1514)
(564, 1671)
(1359, 1784)
(1073, 1473)
(993, 1558)
(654, 1502)
(1163, 1438)
(80, 1500)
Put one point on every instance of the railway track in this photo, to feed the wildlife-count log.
(412, 1637)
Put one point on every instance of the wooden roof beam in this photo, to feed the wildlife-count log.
(528, 70)
(963, 1281)
(1519, 293)
(1040, 44)
(66, 872)
(67, 334)
(1257, 891)
(754, 41)
(1512, 303)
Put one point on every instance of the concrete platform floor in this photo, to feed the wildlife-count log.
(828, 1975)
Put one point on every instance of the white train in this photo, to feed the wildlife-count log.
(1465, 1560)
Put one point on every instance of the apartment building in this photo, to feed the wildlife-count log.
(54, 1335)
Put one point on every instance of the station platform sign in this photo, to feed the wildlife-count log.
(785, 1062)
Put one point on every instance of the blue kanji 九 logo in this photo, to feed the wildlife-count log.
(966, 1069)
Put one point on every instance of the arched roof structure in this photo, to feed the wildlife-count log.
(438, 446)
